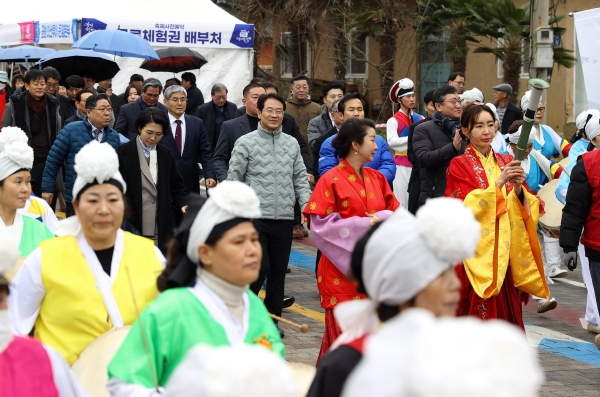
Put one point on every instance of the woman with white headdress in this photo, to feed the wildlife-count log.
(76, 287)
(27, 367)
(408, 356)
(213, 259)
(16, 160)
(418, 355)
(546, 140)
(402, 93)
(35, 207)
(416, 271)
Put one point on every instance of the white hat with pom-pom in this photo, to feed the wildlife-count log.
(401, 88)
(96, 163)
(406, 253)
(240, 370)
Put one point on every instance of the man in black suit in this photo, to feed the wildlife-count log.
(233, 129)
(194, 95)
(189, 142)
(125, 123)
(216, 112)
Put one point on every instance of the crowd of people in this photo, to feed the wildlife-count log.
(429, 220)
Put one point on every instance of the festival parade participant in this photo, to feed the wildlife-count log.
(16, 160)
(229, 371)
(409, 358)
(583, 145)
(77, 286)
(551, 145)
(27, 368)
(416, 271)
(491, 185)
(538, 169)
(347, 200)
(580, 212)
(403, 93)
(216, 309)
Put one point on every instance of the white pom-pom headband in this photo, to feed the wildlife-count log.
(12, 135)
(395, 271)
(227, 201)
(15, 156)
(96, 162)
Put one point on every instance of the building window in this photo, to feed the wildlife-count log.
(284, 53)
(525, 51)
(358, 53)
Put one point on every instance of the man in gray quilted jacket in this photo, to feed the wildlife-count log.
(270, 162)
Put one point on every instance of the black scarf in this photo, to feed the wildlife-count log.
(449, 125)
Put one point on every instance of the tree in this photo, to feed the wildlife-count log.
(436, 17)
(507, 26)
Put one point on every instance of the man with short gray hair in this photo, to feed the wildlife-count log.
(508, 113)
(216, 112)
(188, 143)
(125, 123)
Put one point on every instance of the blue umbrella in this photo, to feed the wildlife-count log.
(24, 53)
(80, 62)
(116, 42)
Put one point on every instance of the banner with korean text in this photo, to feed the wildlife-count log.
(177, 34)
(56, 32)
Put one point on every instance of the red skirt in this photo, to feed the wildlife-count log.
(506, 305)
(330, 334)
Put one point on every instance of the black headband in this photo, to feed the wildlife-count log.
(111, 181)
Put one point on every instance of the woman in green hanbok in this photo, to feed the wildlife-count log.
(210, 264)
(16, 161)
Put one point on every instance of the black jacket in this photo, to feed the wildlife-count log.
(208, 114)
(196, 150)
(194, 99)
(414, 183)
(576, 211)
(67, 108)
(433, 151)
(512, 114)
(234, 129)
(170, 185)
(125, 122)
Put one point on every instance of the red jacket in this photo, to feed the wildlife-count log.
(591, 230)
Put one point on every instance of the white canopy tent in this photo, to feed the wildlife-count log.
(227, 63)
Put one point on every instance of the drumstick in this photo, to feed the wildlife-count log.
(564, 170)
(302, 327)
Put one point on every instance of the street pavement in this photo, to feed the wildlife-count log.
(566, 350)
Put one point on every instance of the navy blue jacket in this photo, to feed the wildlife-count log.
(196, 150)
(125, 122)
(233, 129)
(68, 143)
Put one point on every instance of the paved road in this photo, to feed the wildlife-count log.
(570, 359)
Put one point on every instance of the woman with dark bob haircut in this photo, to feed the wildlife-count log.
(346, 202)
(508, 264)
(152, 178)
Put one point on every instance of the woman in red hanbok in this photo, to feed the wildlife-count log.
(508, 263)
(347, 200)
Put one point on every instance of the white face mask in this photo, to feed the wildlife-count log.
(2, 86)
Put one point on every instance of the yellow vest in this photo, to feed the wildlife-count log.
(73, 314)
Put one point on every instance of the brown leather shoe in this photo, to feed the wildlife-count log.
(597, 341)
(298, 233)
(304, 231)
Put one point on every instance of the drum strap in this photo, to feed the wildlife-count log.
(104, 281)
